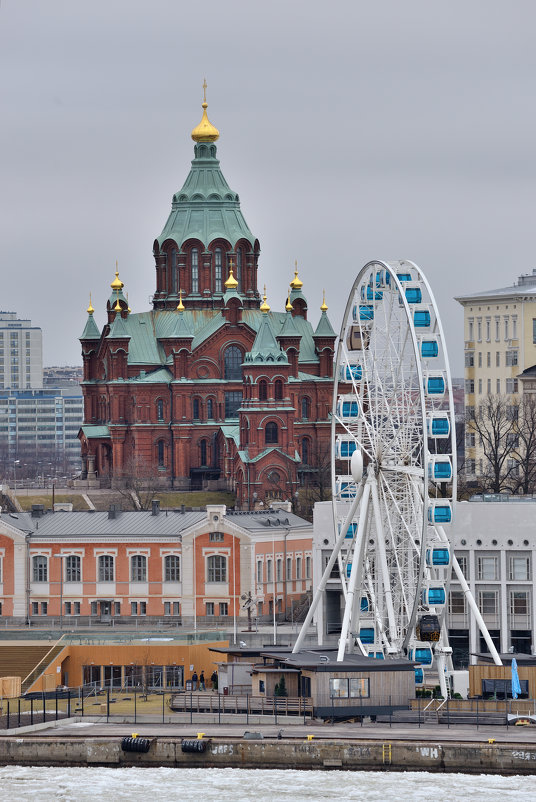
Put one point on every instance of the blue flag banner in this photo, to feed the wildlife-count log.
(516, 687)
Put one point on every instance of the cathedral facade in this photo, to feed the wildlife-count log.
(210, 388)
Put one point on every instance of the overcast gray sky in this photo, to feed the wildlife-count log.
(351, 130)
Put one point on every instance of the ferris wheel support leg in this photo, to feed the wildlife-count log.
(345, 630)
(476, 612)
(327, 571)
(441, 661)
(380, 542)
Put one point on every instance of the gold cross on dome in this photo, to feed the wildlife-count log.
(231, 265)
(204, 90)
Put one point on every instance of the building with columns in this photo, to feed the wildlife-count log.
(211, 388)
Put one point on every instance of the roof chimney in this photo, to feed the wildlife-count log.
(155, 506)
(38, 510)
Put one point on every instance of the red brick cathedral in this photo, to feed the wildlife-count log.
(210, 388)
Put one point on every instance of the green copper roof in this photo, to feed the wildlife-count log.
(206, 207)
(92, 430)
(289, 328)
(324, 328)
(91, 331)
(118, 329)
(180, 329)
(265, 347)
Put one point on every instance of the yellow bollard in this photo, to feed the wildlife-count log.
(310, 737)
(491, 740)
(200, 735)
(134, 734)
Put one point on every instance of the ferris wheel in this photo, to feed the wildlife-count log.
(394, 472)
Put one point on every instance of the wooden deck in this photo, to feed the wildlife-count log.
(241, 703)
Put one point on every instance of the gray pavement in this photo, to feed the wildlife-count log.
(342, 731)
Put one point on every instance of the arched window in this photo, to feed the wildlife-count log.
(305, 451)
(263, 390)
(203, 452)
(72, 568)
(232, 363)
(245, 433)
(271, 434)
(195, 409)
(40, 568)
(238, 269)
(210, 409)
(161, 448)
(217, 269)
(194, 258)
(174, 272)
(216, 568)
(278, 390)
(172, 568)
(160, 409)
(138, 568)
(305, 408)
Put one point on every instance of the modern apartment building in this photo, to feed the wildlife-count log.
(39, 432)
(21, 353)
(500, 343)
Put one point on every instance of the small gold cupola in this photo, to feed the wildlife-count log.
(231, 283)
(180, 305)
(117, 284)
(288, 305)
(90, 309)
(264, 306)
(205, 131)
(324, 307)
(296, 282)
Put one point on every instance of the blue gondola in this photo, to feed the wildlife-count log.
(347, 489)
(440, 469)
(413, 295)
(423, 655)
(438, 426)
(379, 655)
(421, 318)
(348, 570)
(366, 312)
(435, 385)
(349, 409)
(364, 604)
(345, 448)
(366, 635)
(437, 556)
(373, 295)
(352, 529)
(404, 276)
(433, 596)
(379, 279)
(350, 372)
(429, 349)
(419, 676)
(440, 512)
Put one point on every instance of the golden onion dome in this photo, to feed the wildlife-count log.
(180, 305)
(90, 309)
(288, 305)
(324, 307)
(117, 307)
(264, 306)
(231, 283)
(205, 131)
(117, 284)
(296, 282)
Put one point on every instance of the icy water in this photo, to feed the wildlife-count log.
(241, 785)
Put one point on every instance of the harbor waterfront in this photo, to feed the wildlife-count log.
(434, 749)
(239, 785)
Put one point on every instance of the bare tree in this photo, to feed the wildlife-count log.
(138, 483)
(494, 423)
(524, 445)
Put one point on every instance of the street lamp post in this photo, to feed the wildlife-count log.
(15, 463)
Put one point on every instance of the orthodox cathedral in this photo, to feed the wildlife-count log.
(210, 388)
